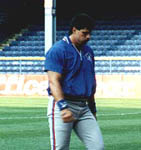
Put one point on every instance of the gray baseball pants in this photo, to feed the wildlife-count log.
(85, 127)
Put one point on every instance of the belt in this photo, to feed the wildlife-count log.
(75, 98)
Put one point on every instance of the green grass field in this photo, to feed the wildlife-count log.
(24, 126)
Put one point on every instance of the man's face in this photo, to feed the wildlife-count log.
(82, 36)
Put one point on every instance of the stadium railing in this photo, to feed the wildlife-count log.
(103, 65)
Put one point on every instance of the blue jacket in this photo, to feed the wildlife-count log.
(77, 68)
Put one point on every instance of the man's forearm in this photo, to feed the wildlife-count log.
(56, 91)
(55, 85)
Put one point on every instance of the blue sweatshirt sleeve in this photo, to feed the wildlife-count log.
(54, 60)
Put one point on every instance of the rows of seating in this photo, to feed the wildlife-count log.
(29, 43)
(22, 66)
(109, 39)
(118, 66)
(101, 66)
(25, 43)
(114, 41)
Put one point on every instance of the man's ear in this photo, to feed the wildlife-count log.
(74, 29)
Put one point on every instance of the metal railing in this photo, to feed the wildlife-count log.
(103, 65)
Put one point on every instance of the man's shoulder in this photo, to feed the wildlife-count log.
(60, 45)
(57, 46)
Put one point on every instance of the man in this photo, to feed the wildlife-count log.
(72, 85)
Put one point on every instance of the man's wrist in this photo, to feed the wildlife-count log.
(62, 104)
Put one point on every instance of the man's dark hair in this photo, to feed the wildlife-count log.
(81, 21)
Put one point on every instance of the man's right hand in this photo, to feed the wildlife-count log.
(67, 116)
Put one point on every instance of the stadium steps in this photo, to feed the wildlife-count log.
(30, 42)
(11, 39)
(24, 54)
